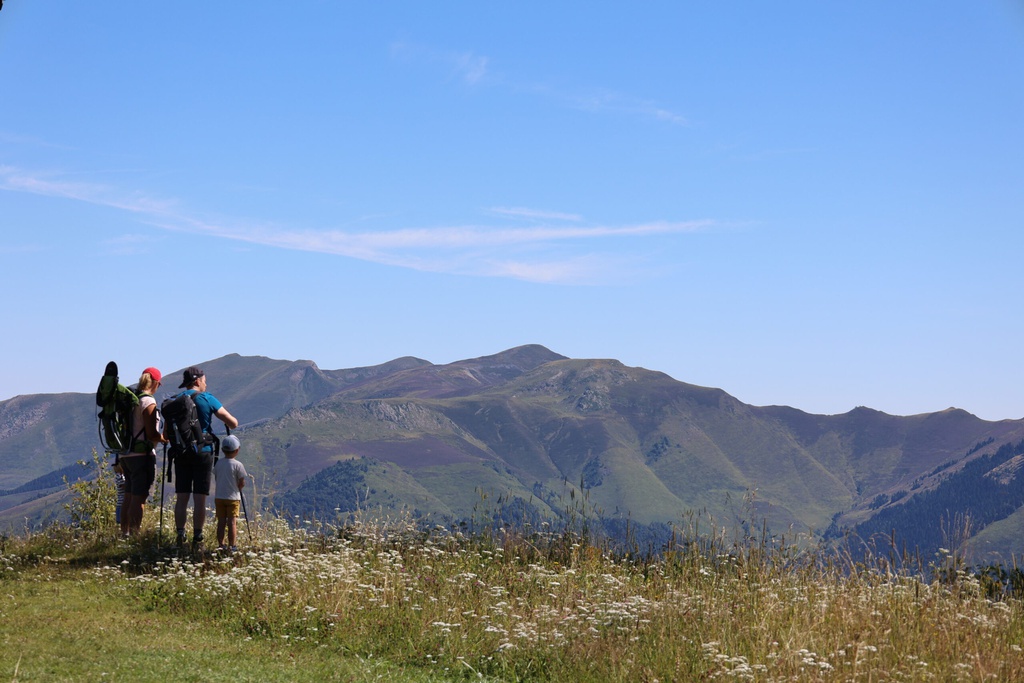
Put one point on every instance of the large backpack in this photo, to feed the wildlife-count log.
(117, 405)
(181, 426)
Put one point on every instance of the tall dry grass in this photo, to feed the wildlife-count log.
(506, 604)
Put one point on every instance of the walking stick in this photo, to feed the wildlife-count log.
(245, 513)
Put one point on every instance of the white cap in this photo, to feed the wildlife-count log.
(230, 443)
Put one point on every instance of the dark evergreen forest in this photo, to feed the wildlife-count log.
(935, 519)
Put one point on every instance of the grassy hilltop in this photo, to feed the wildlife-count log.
(388, 600)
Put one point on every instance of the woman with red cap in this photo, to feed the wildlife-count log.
(139, 464)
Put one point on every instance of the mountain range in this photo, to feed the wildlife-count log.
(529, 435)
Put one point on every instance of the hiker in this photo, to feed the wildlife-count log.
(230, 475)
(193, 475)
(138, 465)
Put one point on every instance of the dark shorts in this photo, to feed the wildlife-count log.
(192, 474)
(139, 474)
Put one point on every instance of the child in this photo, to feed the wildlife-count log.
(230, 474)
(119, 488)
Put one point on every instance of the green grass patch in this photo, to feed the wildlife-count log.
(76, 625)
(390, 600)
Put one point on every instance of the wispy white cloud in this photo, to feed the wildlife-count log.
(588, 269)
(554, 252)
(520, 212)
(473, 69)
(14, 179)
(518, 253)
(466, 66)
(612, 101)
(458, 237)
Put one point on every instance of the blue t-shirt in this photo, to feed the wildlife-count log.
(206, 405)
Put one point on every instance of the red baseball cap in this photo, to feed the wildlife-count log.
(154, 373)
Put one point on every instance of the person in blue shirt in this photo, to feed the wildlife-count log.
(193, 475)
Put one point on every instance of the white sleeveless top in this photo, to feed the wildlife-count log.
(138, 425)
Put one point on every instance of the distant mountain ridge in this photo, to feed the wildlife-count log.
(530, 426)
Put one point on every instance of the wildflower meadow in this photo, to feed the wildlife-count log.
(380, 598)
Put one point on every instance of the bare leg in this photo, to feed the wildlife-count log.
(198, 514)
(180, 510)
(136, 508)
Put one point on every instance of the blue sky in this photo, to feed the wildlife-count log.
(812, 204)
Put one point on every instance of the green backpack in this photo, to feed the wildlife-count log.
(117, 407)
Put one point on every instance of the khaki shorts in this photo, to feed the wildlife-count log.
(226, 509)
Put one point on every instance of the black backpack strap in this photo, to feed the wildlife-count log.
(216, 443)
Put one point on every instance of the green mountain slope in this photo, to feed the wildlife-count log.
(539, 433)
(44, 432)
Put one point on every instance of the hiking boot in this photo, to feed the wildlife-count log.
(197, 542)
(181, 539)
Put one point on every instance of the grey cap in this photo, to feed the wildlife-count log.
(230, 443)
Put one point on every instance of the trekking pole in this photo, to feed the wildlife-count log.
(245, 513)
